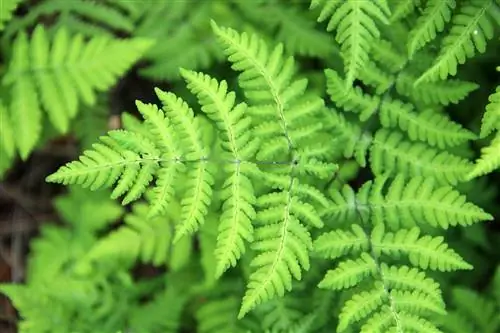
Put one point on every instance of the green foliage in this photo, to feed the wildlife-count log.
(323, 182)
(57, 75)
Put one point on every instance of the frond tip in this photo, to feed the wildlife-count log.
(356, 28)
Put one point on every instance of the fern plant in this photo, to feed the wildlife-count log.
(279, 198)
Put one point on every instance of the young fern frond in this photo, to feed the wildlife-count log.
(56, 75)
(433, 20)
(356, 28)
(471, 28)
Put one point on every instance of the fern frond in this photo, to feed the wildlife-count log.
(489, 160)
(281, 239)
(213, 316)
(56, 75)
(471, 29)
(349, 273)
(360, 306)
(425, 252)
(436, 14)
(406, 278)
(430, 126)
(391, 153)
(337, 243)
(434, 92)
(299, 36)
(238, 212)
(350, 99)
(403, 8)
(491, 118)
(76, 11)
(407, 203)
(353, 139)
(356, 28)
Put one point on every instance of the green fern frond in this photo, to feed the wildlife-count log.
(57, 74)
(281, 238)
(338, 243)
(433, 20)
(350, 99)
(434, 92)
(71, 12)
(472, 312)
(388, 56)
(429, 126)
(406, 278)
(403, 8)
(238, 212)
(425, 252)
(353, 139)
(391, 153)
(349, 273)
(407, 203)
(491, 118)
(356, 28)
(360, 306)
(298, 35)
(471, 28)
(213, 316)
(489, 160)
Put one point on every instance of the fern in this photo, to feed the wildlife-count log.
(401, 295)
(490, 156)
(471, 29)
(435, 16)
(263, 203)
(356, 28)
(267, 83)
(53, 75)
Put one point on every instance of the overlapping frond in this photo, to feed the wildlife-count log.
(432, 21)
(471, 28)
(429, 126)
(356, 28)
(434, 92)
(235, 227)
(391, 153)
(129, 161)
(491, 118)
(281, 238)
(406, 203)
(57, 75)
(392, 297)
(489, 160)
